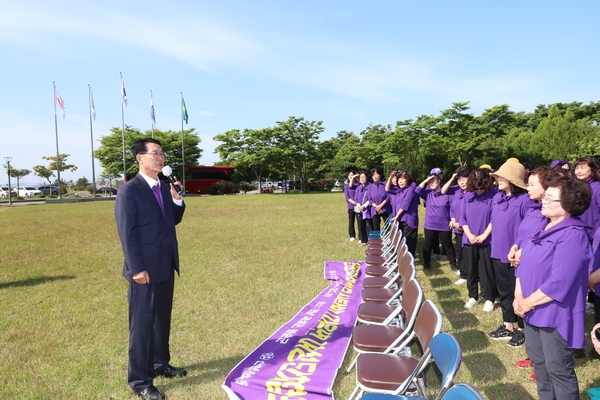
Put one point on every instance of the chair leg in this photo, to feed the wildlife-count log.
(352, 364)
(355, 393)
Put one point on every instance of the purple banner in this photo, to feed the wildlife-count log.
(301, 359)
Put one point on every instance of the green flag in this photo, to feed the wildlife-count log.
(184, 114)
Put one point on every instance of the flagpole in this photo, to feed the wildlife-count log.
(182, 147)
(57, 153)
(123, 127)
(152, 117)
(91, 102)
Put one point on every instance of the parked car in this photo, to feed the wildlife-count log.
(49, 190)
(106, 190)
(4, 192)
(28, 191)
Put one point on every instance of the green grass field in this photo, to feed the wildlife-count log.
(248, 264)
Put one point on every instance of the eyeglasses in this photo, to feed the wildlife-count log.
(155, 154)
(548, 200)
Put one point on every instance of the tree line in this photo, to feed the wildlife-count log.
(453, 138)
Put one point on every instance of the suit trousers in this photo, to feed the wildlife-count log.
(150, 308)
(553, 364)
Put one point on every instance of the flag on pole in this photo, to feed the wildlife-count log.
(61, 104)
(92, 107)
(184, 114)
(123, 92)
(152, 116)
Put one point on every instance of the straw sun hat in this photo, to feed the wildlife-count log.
(513, 172)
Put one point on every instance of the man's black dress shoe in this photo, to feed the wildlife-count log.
(150, 393)
(172, 372)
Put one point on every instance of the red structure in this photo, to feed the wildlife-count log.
(198, 178)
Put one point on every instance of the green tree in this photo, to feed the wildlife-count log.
(110, 151)
(558, 136)
(299, 141)
(252, 151)
(43, 172)
(17, 173)
(81, 184)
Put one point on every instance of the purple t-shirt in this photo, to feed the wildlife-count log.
(437, 212)
(595, 264)
(507, 214)
(361, 197)
(349, 192)
(533, 218)
(477, 214)
(407, 200)
(556, 261)
(591, 216)
(458, 196)
(376, 195)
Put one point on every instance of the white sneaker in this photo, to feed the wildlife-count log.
(457, 272)
(352, 239)
(471, 303)
(461, 281)
(488, 306)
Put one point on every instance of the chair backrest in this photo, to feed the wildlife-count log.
(427, 324)
(447, 354)
(406, 266)
(412, 296)
(462, 391)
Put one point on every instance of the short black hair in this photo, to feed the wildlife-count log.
(462, 172)
(139, 146)
(575, 195)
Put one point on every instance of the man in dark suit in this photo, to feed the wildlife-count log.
(147, 211)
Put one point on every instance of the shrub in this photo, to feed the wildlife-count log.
(322, 185)
(222, 187)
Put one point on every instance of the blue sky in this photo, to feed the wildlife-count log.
(248, 64)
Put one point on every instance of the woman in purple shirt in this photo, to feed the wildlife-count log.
(378, 200)
(458, 194)
(349, 192)
(551, 288)
(475, 219)
(361, 200)
(587, 170)
(437, 219)
(407, 209)
(509, 207)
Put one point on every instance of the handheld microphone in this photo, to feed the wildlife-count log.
(167, 171)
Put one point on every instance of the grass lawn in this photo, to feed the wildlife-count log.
(248, 264)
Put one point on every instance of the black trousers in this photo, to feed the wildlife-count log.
(553, 364)
(351, 218)
(505, 285)
(411, 237)
(150, 308)
(445, 237)
(378, 220)
(363, 234)
(478, 264)
(458, 237)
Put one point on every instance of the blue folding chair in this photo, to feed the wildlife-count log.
(447, 353)
(460, 391)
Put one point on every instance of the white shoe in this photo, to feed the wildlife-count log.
(488, 306)
(457, 272)
(471, 303)
(461, 281)
(352, 239)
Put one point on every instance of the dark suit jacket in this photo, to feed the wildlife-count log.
(149, 241)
